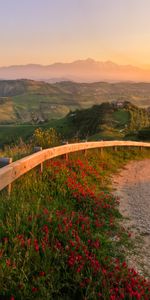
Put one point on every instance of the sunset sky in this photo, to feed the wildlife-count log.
(47, 31)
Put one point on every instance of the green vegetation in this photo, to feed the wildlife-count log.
(122, 116)
(34, 102)
(10, 134)
(66, 106)
(144, 134)
(60, 233)
(139, 118)
(46, 138)
(105, 121)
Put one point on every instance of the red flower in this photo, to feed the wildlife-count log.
(28, 242)
(104, 271)
(58, 245)
(45, 211)
(8, 262)
(36, 246)
(113, 297)
(45, 229)
(41, 274)
(34, 289)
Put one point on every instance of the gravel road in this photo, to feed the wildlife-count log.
(132, 186)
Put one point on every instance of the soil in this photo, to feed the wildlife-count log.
(132, 186)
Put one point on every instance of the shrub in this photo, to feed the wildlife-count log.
(46, 138)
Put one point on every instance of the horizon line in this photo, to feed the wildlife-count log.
(142, 67)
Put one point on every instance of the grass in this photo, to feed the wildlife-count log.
(11, 133)
(106, 135)
(98, 122)
(60, 233)
(7, 112)
(122, 117)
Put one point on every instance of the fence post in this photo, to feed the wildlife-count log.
(37, 149)
(66, 155)
(101, 151)
(4, 161)
(85, 151)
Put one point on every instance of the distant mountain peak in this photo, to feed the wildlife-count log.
(109, 62)
(84, 61)
(90, 60)
(82, 70)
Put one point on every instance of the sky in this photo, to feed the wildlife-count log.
(48, 31)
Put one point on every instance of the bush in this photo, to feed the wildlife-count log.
(46, 138)
(144, 134)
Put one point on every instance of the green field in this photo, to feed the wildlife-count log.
(98, 122)
(12, 133)
(122, 117)
(28, 101)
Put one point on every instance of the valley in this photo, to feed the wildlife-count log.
(76, 110)
(100, 122)
(34, 102)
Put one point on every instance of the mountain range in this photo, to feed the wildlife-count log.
(87, 70)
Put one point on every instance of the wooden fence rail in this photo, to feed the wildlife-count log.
(10, 173)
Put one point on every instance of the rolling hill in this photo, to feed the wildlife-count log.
(107, 121)
(34, 102)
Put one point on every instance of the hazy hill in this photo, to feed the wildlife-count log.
(28, 101)
(87, 70)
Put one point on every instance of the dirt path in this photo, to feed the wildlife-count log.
(132, 185)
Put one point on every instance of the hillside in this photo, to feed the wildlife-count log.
(27, 101)
(107, 121)
(33, 102)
